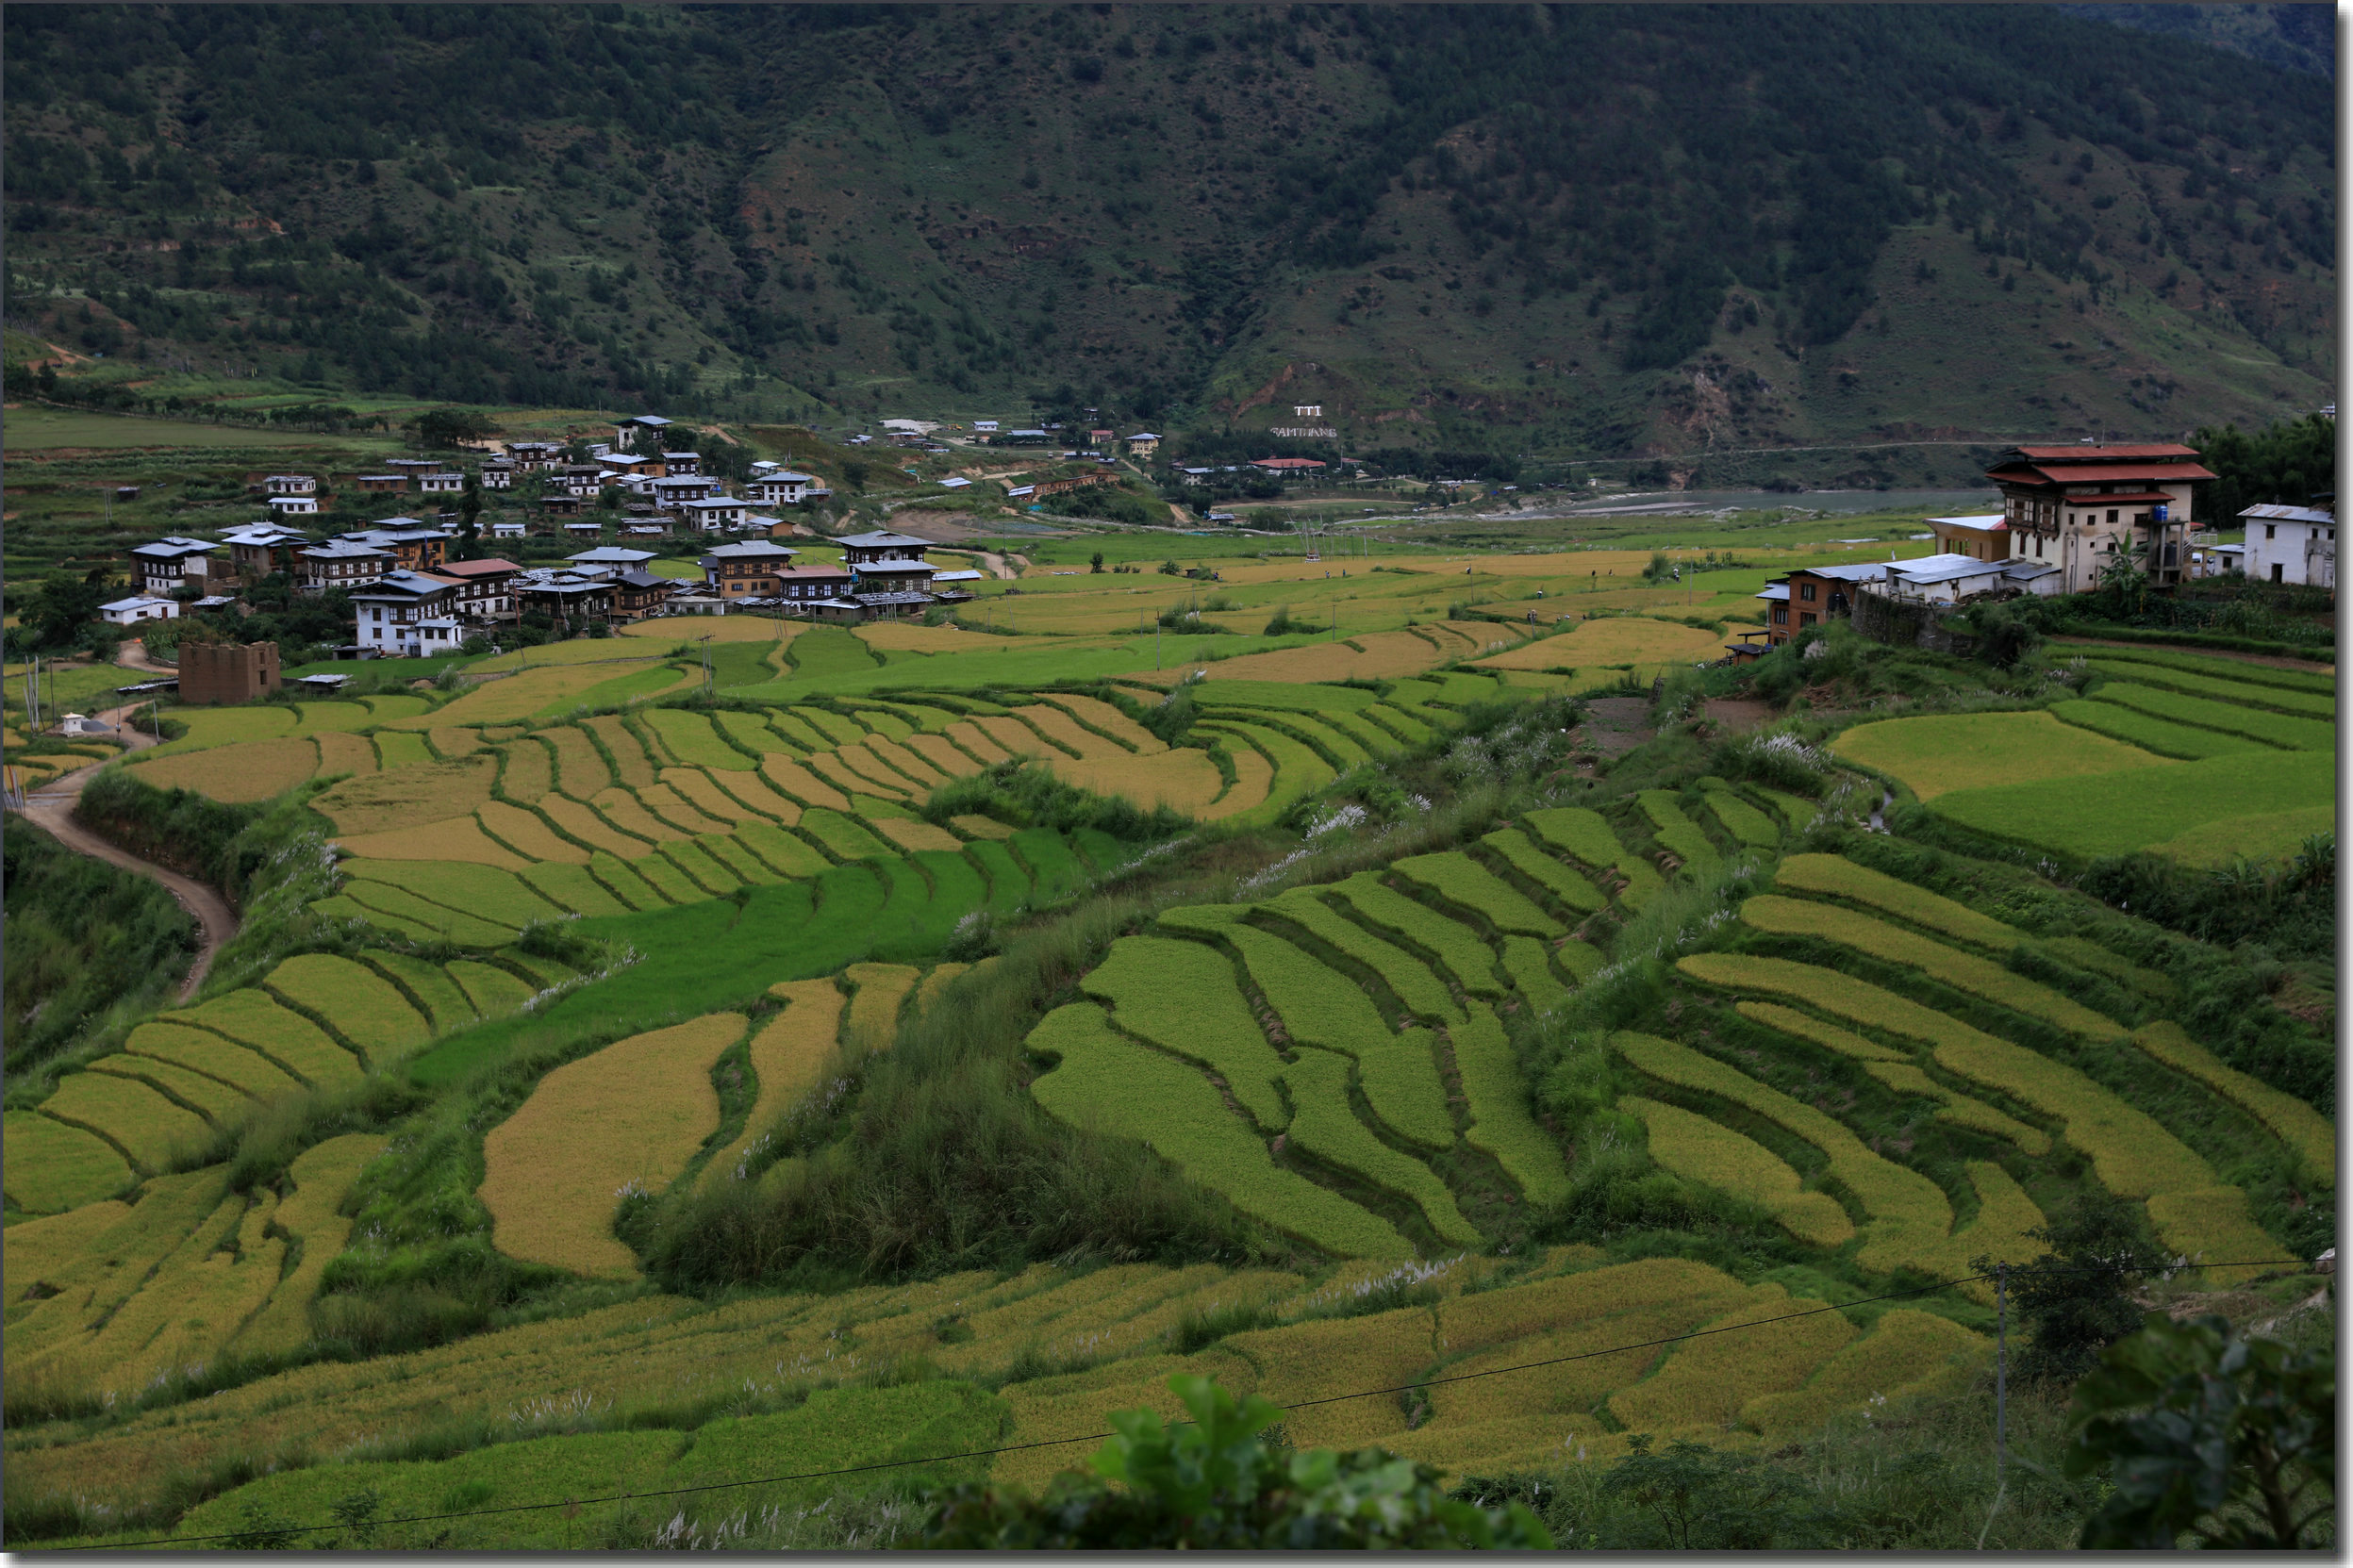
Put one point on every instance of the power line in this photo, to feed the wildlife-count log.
(278, 1531)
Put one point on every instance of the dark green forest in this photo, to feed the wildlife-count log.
(784, 209)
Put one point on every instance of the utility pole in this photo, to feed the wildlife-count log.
(2001, 1371)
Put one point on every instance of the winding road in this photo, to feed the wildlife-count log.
(51, 808)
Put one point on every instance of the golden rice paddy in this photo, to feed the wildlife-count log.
(550, 1191)
(253, 770)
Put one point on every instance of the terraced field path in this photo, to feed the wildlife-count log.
(51, 808)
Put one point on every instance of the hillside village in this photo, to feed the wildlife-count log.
(424, 588)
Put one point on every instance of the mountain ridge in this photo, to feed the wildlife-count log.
(1600, 230)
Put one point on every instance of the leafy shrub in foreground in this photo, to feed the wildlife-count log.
(1217, 1483)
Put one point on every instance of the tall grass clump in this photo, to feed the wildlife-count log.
(936, 1156)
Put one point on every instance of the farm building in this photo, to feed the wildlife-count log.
(782, 488)
(294, 505)
(138, 607)
(486, 592)
(381, 484)
(2291, 544)
(291, 484)
(259, 549)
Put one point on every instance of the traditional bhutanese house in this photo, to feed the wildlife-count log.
(563, 505)
(417, 546)
(498, 475)
(257, 550)
(811, 582)
(414, 465)
(168, 562)
(138, 607)
(637, 593)
(341, 564)
(381, 484)
(675, 493)
(440, 484)
(507, 529)
(628, 430)
(1807, 596)
(711, 516)
(746, 570)
(626, 462)
(566, 597)
(608, 560)
(486, 588)
(1143, 443)
(887, 562)
(409, 613)
(292, 483)
(781, 488)
(682, 464)
(2077, 507)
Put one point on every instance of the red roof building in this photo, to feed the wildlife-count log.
(2083, 507)
(1287, 466)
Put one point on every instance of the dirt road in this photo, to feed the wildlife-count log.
(51, 808)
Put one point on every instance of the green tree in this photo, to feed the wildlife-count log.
(2074, 1300)
(1216, 1482)
(446, 428)
(2229, 1442)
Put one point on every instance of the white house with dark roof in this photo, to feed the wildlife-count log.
(712, 515)
(782, 487)
(408, 614)
(294, 505)
(291, 484)
(341, 564)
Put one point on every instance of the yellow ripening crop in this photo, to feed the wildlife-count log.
(551, 1192)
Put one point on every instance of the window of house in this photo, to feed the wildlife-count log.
(1780, 615)
(1805, 591)
(2271, 531)
(1806, 619)
(2111, 514)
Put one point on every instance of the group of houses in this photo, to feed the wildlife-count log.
(409, 598)
(2070, 515)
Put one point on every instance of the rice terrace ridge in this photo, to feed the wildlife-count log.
(834, 777)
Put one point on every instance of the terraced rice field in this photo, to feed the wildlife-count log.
(1556, 1305)
(1179, 1036)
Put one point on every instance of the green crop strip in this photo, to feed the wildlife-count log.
(1182, 996)
(2160, 736)
(2308, 704)
(2229, 669)
(1962, 972)
(1842, 877)
(1115, 1085)
(1958, 1108)
(1460, 879)
(2131, 1153)
(1692, 1147)
(1323, 1125)
(1585, 837)
(1532, 976)
(2273, 729)
(1502, 1124)
(1744, 821)
(1456, 946)
(1517, 851)
(1677, 833)
(2296, 1124)
(1415, 984)
(1910, 1217)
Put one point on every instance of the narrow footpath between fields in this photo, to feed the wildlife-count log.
(51, 808)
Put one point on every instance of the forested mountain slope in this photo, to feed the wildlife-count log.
(1591, 228)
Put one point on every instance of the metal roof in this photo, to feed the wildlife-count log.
(2272, 513)
(883, 540)
(2082, 454)
(1988, 523)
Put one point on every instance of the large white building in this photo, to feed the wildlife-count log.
(2291, 544)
